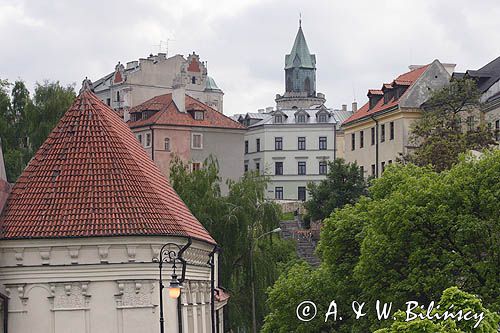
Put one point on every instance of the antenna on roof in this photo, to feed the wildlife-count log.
(161, 45)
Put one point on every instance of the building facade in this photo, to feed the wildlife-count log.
(80, 229)
(130, 85)
(293, 143)
(488, 84)
(178, 125)
(379, 132)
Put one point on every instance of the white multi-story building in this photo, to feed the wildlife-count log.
(292, 147)
(293, 143)
(138, 81)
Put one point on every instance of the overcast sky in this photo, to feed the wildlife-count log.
(358, 44)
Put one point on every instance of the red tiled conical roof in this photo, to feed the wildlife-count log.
(92, 178)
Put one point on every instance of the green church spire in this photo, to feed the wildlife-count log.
(300, 55)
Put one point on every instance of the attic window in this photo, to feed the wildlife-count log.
(198, 115)
(301, 118)
(322, 118)
(278, 119)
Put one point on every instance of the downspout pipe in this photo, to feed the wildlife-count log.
(376, 145)
(211, 263)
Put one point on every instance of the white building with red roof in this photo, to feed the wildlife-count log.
(81, 226)
(378, 133)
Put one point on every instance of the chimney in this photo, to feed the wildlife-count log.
(269, 109)
(354, 106)
(179, 95)
(261, 110)
(344, 107)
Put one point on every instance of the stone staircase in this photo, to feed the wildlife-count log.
(305, 246)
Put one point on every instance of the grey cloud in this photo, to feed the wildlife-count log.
(358, 44)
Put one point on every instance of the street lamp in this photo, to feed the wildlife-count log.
(254, 320)
(167, 255)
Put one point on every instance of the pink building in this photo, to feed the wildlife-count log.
(176, 124)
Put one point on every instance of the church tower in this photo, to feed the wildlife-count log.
(300, 77)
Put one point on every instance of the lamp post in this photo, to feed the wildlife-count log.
(167, 255)
(254, 319)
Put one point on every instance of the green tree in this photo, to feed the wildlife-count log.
(460, 301)
(344, 184)
(440, 135)
(26, 123)
(419, 233)
(235, 221)
(50, 101)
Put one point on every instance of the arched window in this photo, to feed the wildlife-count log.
(307, 85)
(167, 144)
(193, 80)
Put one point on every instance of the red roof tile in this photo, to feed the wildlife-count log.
(90, 178)
(404, 79)
(168, 114)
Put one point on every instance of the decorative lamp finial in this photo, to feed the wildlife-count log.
(300, 20)
(86, 85)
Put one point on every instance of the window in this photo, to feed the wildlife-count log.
(389, 162)
(470, 123)
(301, 193)
(353, 141)
(246, 147)
(278, 168)
(108, 101)
(322, 118)
(278, 143)
(301, 168)
(257, 143)
(117, 96)
(361, 139)
(257, 166)
(301, 118)
(322, 143)
(323, 167)
(167, 144)
(391, 130)
(197, 141)
(139, 138)
(195, 166)
(193, 80)
(383, 166)
(148, 140)
(278, 193)
(246, 167)
(382, 133)
(198, 115)
(373, 135)
(362, 170)
(278, 119)
(301, 144)
(497, 130)
(373, 170)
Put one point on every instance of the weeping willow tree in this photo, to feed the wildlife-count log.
(236, 221)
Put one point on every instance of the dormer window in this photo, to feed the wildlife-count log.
(278, 119)
(198, 115)
(301, 118)
(322, 118)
